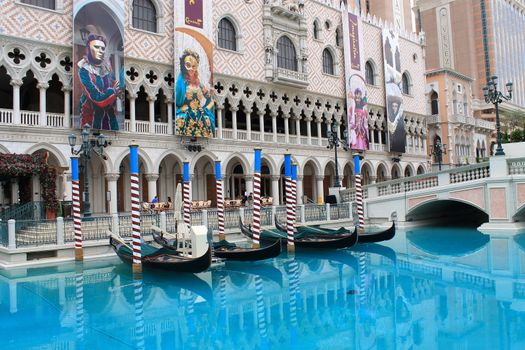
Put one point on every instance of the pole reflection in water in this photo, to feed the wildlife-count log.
(293, 286)
(79, 302)
(261, 314)
(139, 313)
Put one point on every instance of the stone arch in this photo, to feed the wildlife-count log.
(382, 173)
(447, 208)
(242, 159)
(421, 169)
(148, 164)
(171, 152)
(367, 173)
(62, 160)
(520, 214)
(396, 172)
(271, 164)
(409, 170)
(280, 169)
(203, 179)
(204, 154)
(4, 149)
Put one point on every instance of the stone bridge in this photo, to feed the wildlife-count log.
(492, 192)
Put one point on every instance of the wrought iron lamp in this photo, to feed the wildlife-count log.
(438, 150)
(492, 95)
(334, 142)
(87, 146)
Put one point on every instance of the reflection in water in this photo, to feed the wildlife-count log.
(367, 298)
(448, 241)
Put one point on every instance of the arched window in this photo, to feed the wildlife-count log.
(369, 73)
(286, 56)
(227, 35)
(316, 30)
(328, 62)
(48, 4)
(144, 15)
(434, 103)
(405, 82)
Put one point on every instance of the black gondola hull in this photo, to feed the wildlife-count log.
(385, 235)
(249, 254)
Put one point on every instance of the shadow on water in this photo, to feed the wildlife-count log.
(447, 213)
(446, 241)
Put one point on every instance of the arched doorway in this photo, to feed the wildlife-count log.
(348, 176)
(366, 174)
(395, 173)
(6, 90)
(381, 173)
(235, 179)
(170, 174)
(204, 187)
(329, 177)
(420, 170)
(309, 188)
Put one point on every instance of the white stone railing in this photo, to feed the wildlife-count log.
(242, 135)
(433, 119)
(227, 134)
(6, 116)
(256, 136)
(407, 184)
(142, 127)
(480, 123)
(516, 166)
(55, 120)
(377, 147)
(161, 129)
(30, 118)
(268, 137)
(469, 173)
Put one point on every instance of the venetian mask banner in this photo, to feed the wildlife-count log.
(194, 95)
(394, 98)
(98, 66)
(356, 93)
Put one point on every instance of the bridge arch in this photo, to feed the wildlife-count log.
(447, 210)
(520, 214)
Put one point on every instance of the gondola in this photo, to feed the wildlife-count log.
(226, 250)
(231, 251)
(306, 230)
(318, 241)
(161, 258)
(363, 238)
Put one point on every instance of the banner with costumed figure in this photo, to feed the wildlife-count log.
(195, 104)
(394, 98)
(98, 64)
(356, 94)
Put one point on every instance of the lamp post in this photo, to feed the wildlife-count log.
(438, 150)
(334, 142)
(492, 95)
(88, 145)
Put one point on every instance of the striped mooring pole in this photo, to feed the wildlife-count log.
(294, 193)
(289, 202)
(79, 303)
(135, 208)
(359, 194)
(77, 221)
(186, 193)
(139, 314)
(261, 310)
(257, 199)
(220, 200)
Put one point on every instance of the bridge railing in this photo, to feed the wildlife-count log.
(516, 166)
(424, 181)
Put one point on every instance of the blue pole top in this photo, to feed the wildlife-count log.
(74, 169)
(288, 165)
(134, 159)
(186, 172)
(357, 166)
(294, 172)
(218, 175)
(258, 161)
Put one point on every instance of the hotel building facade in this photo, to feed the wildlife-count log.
(273, 93)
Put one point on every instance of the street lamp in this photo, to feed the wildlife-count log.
(438, 150)
(88, 145)
(492, 95)
(334, 142)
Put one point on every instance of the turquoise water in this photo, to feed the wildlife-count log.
(425, 289)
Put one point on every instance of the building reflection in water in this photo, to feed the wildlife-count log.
(397, 297)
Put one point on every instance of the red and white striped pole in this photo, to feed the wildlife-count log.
(77, 221)
(289, 202)
(257, 199)
(220, 200)
(359, 194)
(294, 192)
(186, 194)
(135, 208)
(79, 301)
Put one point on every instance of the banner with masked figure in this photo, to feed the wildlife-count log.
(394, 98)
(195, 104)
(356, 93)
(98, 64)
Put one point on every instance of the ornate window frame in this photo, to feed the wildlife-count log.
(161, 15)
(238, 34)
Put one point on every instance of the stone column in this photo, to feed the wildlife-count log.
(16, 83)
(234, 120)
(226, 186)
(132, 117)
(169, 104)
(248, 179)
(300, 189)
(66, 186)
(319, 137)
(275, 189)
(42, 87)
(151, 102)
(152, 185)
(309, 129)
(298, 128)
(261, 124)
(14, 190)
(112, 187)
(248, 124)
(274, 126)
(286, 128)
(372, 136)
(67, 106)
(320, 191)
(219, 122)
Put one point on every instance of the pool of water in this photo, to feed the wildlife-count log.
(425, 289)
